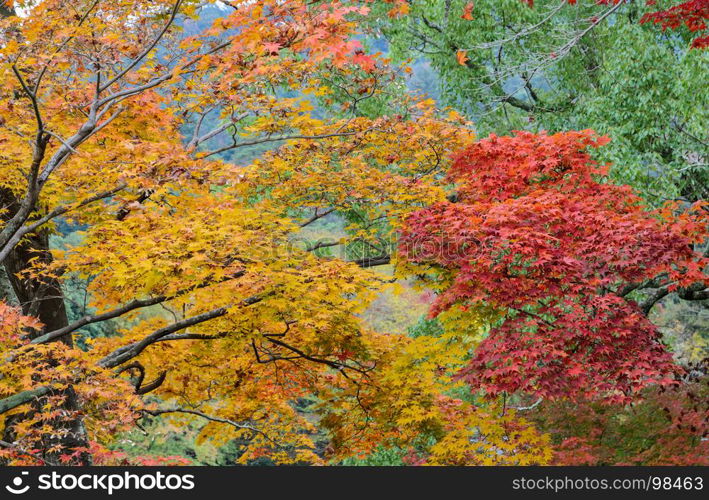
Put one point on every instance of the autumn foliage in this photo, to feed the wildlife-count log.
(692, 14)
(666, 426)
(124, 125)
(534, 234)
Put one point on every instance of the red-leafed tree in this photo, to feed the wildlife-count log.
(692, 14)
(572, 264)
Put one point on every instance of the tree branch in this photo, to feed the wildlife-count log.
(211, 418)
(279, 138)
(120, 311)
(379, 260)
(146, 51)
(317, 216)
(130, 351)
(15, 239)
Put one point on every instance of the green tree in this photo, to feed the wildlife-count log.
(556, 66)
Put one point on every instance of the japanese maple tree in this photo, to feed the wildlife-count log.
(666, 426)
(537, 235)
(693, 15)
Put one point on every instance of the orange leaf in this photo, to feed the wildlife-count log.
(462, 57)
(468, 11)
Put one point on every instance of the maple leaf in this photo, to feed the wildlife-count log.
(401, 8)
(272, 47)
(529, 213)
(462, 57)
(166, 221)
(468, 11)
(364, 61)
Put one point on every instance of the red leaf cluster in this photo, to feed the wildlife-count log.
(693, 14)
(537, 235)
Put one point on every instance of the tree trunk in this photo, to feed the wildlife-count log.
(7, 8)
(41, 298)
(44, 299)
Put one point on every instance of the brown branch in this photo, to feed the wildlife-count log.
(151, 386)
(341, 367)
(211, 418)
(130, 351)
(697, 291)
(61, 210)
(146, 51)
(138, 383)
(122, 354)
(33, 99)
(134, 366)
(647, 304)
(322, 244)
(193, 336)
(280, 138)
(317, 216)
(142, 196)
(120, 311)
(379, 260)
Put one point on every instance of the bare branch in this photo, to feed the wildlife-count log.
(280, 138)
(211, 418)
(120, 311)
(146, 51)
(87, 130)
(218, 130)
(130, 351)
(379, 260)
(530, 407)
(317, 215)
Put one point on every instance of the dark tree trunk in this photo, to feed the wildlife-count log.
(7, 8)
(44, 299)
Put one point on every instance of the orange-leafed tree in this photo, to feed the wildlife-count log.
(116, 118)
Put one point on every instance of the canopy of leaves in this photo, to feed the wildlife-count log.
(192, 195)
(561, 66)
(534, 234)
